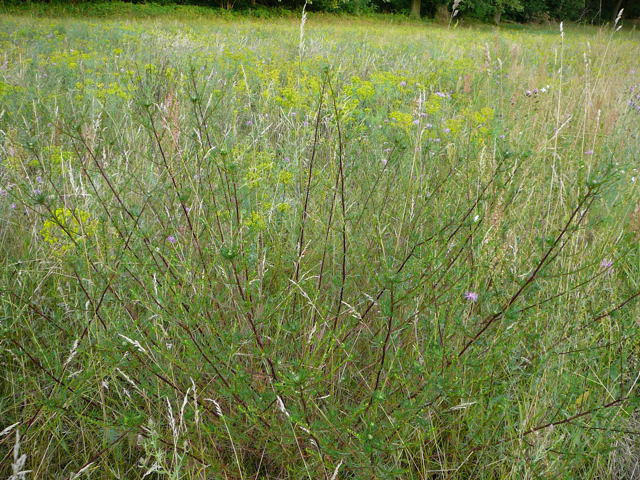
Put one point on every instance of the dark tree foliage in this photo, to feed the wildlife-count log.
(585, 11)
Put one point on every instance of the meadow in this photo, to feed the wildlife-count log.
(236, 248)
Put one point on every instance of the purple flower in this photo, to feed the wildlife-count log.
(416, 122)
(3, 192)
(441, 94)
(39, 179)
(37, 191)
(606, 263)
(171, 239)
(471, 296)
(13, 206)
(446, 130)
(248, 123)
(403, 83)
(429, 125)
(589, 152)
(503, 136)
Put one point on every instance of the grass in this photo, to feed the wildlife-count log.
(124, 9)
(353, 250)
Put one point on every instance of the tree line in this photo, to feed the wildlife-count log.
(584, 11)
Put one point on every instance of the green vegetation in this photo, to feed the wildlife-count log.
(584, 11)
(325, 249)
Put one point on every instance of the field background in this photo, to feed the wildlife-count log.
(338, 248)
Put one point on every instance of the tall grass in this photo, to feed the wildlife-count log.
(233, 251)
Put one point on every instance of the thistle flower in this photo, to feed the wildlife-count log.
(471, 296)
(606, 263)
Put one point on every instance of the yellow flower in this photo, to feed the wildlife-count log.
(401, 119)
(284, 207)
(256, 221)
(285, 177)
(66, 228)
